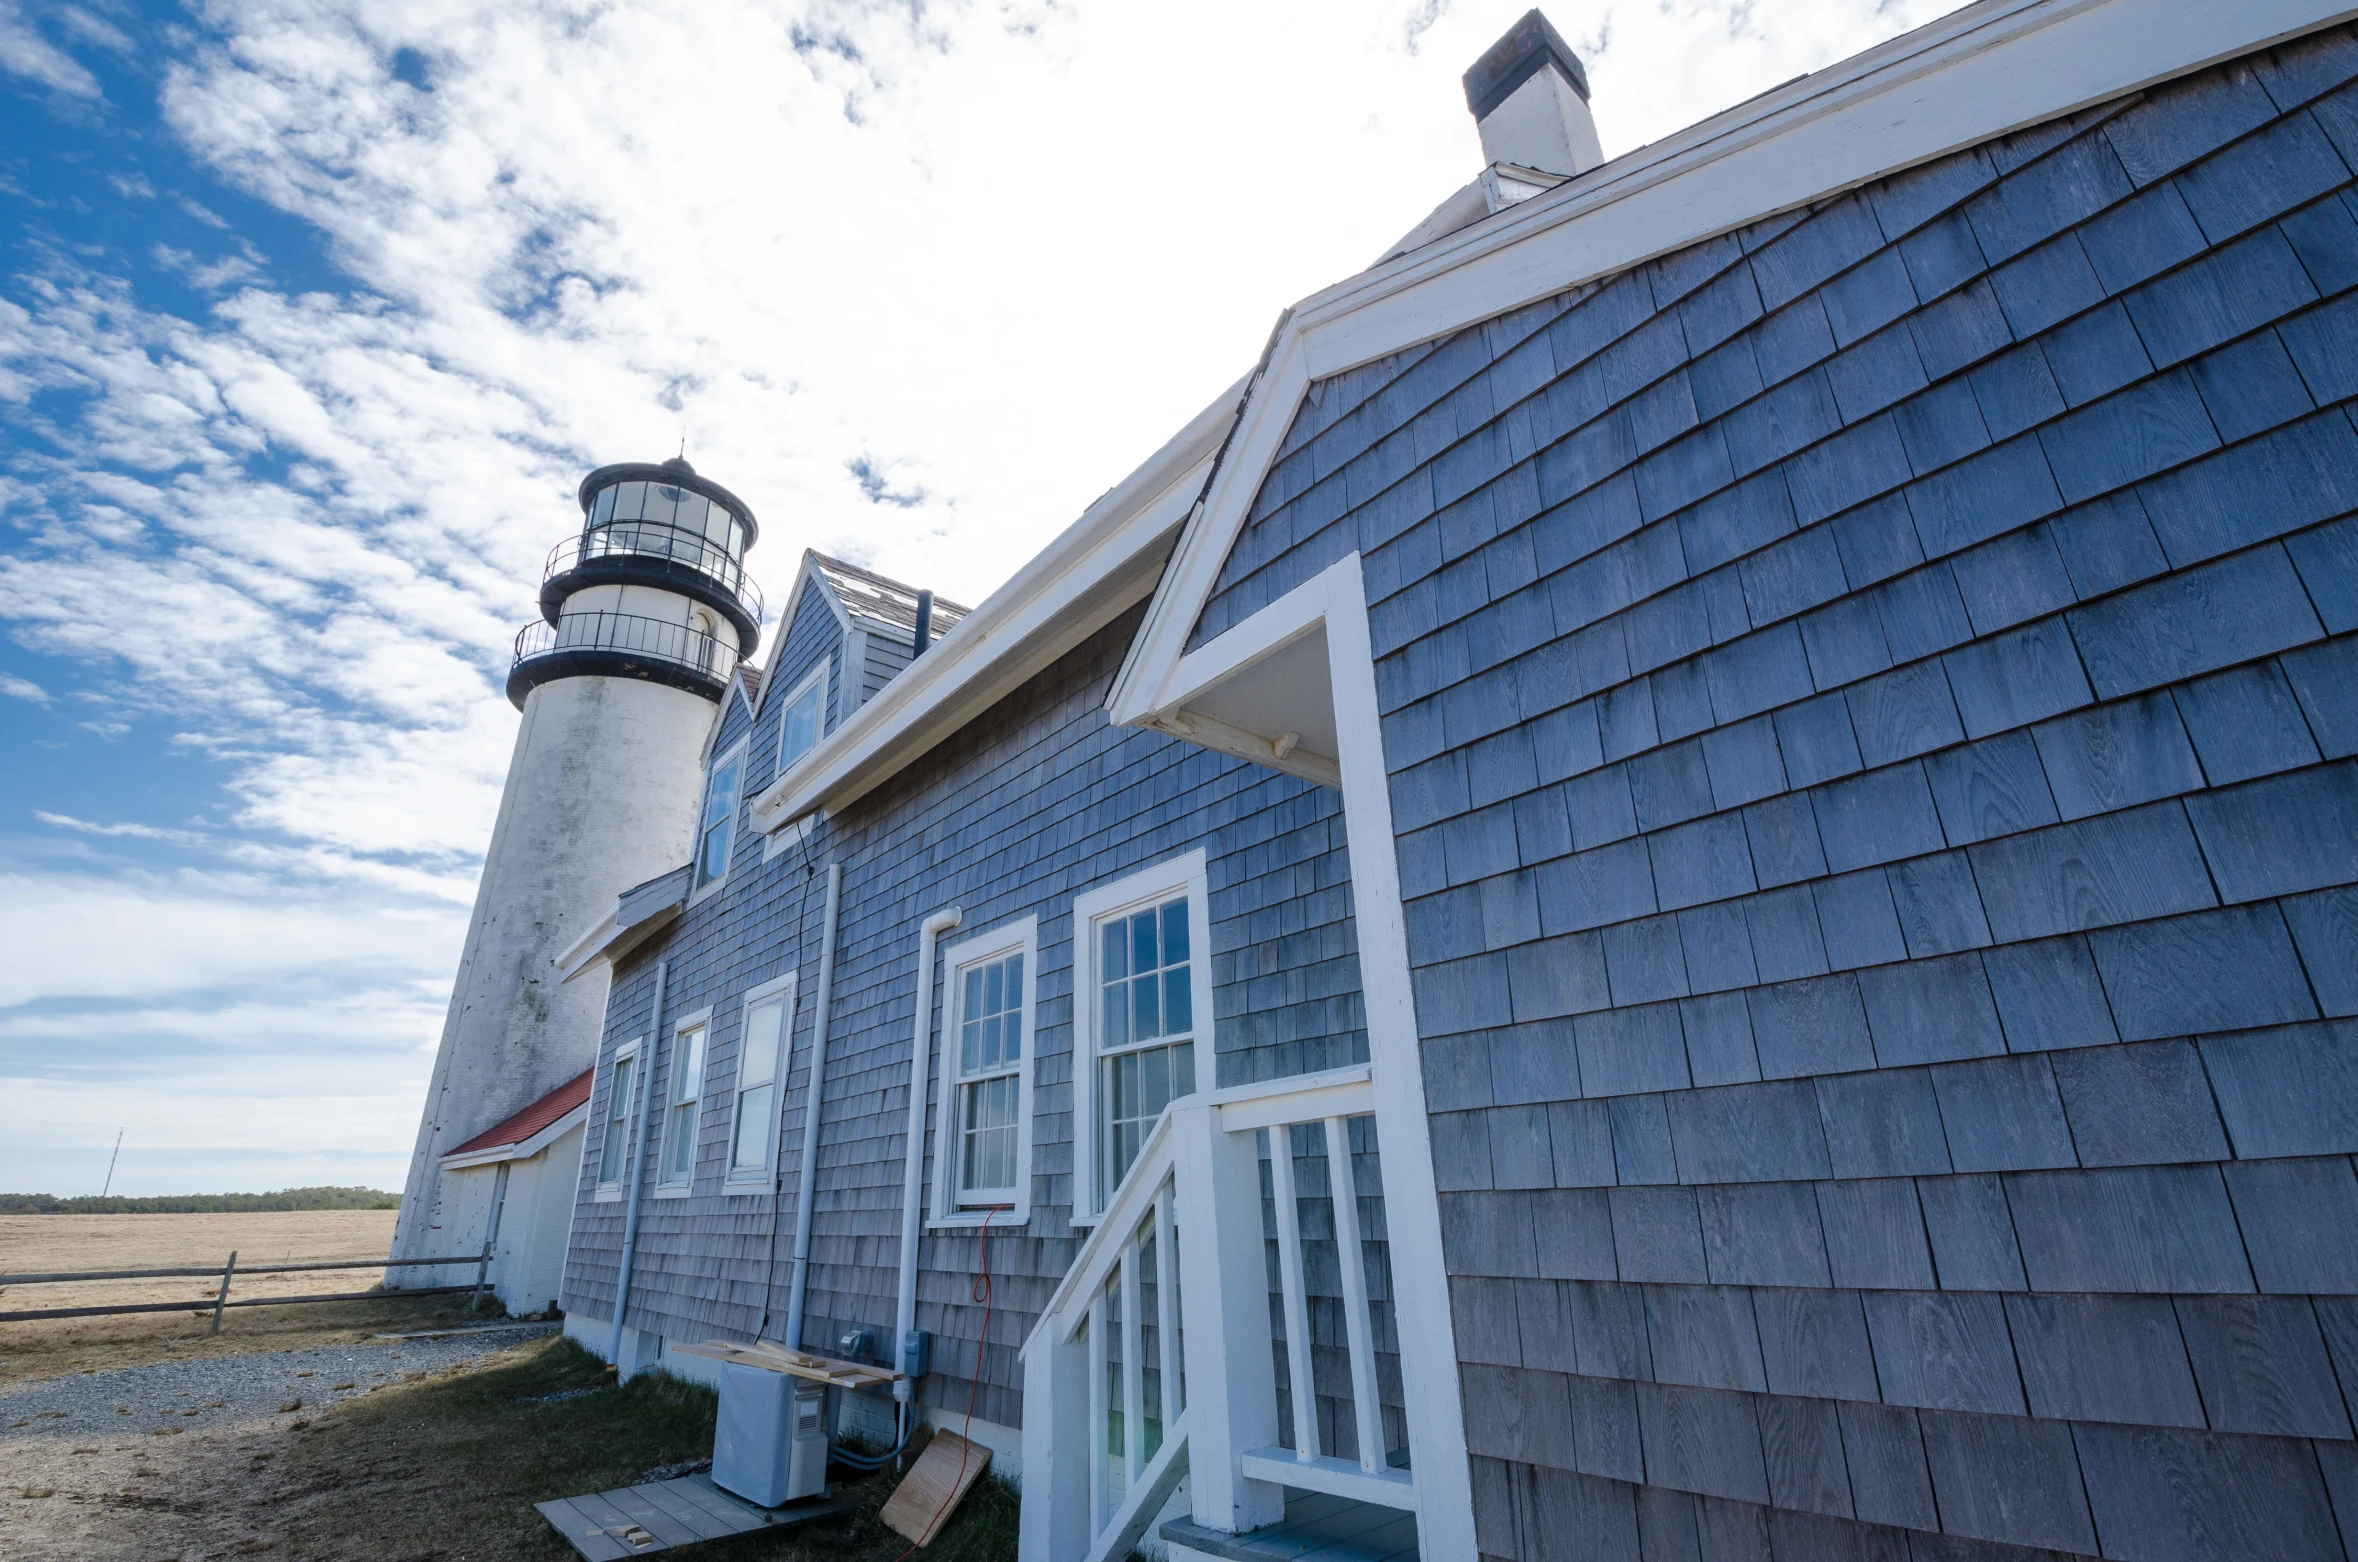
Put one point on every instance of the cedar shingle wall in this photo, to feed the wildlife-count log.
(1034, 803)
(1870, 702)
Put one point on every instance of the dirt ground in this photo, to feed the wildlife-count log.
(48, 1244)
(440, 1467)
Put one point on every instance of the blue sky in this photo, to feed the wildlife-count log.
(313, 311)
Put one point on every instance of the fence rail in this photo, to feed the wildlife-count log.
(228, 1272)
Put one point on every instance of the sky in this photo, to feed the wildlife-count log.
(313, 313)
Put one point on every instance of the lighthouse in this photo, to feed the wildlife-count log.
(645, 615)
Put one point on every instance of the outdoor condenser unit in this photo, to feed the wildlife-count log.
(770, 1446)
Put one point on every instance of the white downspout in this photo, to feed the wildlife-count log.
(806, 1196)
(912, 1174)
(645, 1085)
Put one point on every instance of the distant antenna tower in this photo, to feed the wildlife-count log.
(110, 1165)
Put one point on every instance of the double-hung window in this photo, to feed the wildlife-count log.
(1143, 980)
(801, 718)
(686, 1102)
(761, 1077)
(614, 1145)
(982, 1139)
(716, 828)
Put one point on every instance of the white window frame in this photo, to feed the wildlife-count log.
(1009, 938)
(762, 1183)
(1189, 872)
(816, 678)
(734, 755)
(629, 1052)
(666, 1185)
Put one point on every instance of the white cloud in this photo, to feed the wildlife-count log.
(918, 282)
(23, 689)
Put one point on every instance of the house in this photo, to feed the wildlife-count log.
(1685, 885)
(514, 1182)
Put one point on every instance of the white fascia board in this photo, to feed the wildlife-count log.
(1102, 564)
(1974, 75)
(806, 574)
(523, 1149)
(609, 942)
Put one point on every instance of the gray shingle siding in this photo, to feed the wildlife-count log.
(1867, 707)
(1036, 801)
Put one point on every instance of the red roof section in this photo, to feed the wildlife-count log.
(573, 1093)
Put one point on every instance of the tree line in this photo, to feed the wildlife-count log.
(199, 1203)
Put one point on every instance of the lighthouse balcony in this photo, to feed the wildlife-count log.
(620, 645)
(648, 553)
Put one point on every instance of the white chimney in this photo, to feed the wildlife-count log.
(1530, 101)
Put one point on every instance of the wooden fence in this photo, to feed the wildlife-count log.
(230, 1271)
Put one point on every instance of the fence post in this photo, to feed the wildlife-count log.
(222, 1299)
(1224, 1296)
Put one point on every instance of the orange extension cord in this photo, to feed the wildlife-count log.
(981, 1293)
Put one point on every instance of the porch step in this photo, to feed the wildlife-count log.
(1316, 1528)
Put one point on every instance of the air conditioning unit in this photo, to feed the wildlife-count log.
(770, 1446)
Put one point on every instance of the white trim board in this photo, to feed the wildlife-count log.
(1967, 78)
(522, 1149)
(1335, 602)
(1102, 564)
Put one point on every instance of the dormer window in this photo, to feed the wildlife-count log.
(717, 830)
(799, 723)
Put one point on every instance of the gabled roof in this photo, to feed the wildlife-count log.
(1972, 76)
(882, 601)
(861, 599)
(529, 1131)
(639, 913)
(1101, 565)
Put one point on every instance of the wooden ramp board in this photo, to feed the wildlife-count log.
(936, 1484)
(773, 1357)
(638, 1521)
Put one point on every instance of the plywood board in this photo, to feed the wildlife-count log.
(771, 1357)
(935, 1486)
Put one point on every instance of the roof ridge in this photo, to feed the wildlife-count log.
(940, 602)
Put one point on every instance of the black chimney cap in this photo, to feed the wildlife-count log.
(1529, 47)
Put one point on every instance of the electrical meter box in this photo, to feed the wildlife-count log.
(770, 1446)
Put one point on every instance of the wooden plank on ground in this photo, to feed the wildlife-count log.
(685, 1510)
(615, 1523)
(654, 1520)
(584, 1533)
(723, 1507)
(935, 1485)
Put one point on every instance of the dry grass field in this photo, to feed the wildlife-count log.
(43, 1244)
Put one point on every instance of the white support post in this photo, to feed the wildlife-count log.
(1166, 1297)
(1358, 1325)
(1056, 1463)
(1224, 1272)
(1133, 1367)
(1097, 1411)
(1295, 1292)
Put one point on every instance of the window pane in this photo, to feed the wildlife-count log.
(1154, 1082)
(994, 988)
(799, 730)
(751, 1148)
(689, 1054)
(680, 1156)
(970, 1047)
(1142, 942)
(1014, 1052)
(757, 1063)
(1114, 1016)
(630, 501)
(1117, 952)
(715, 856)
(617, 1122)
(1175, 932)
(663, 503)
(1178, 1002)
(1145, 1013)
(602, 510)
(1183, 1070)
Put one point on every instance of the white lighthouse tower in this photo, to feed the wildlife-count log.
(646, 614)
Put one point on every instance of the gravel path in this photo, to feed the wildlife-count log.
(227, 1390)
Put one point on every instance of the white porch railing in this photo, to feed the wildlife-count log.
(1091, 1483)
